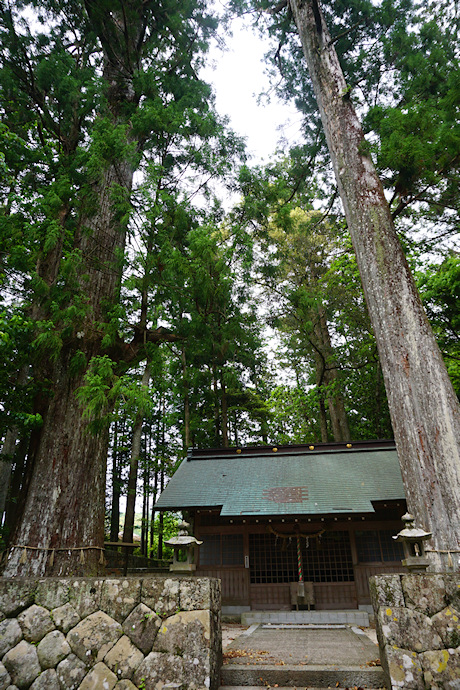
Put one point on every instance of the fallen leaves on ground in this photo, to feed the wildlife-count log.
(374, 662)
(232, 653)
(253, 654)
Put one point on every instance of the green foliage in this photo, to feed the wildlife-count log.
(49, 341)
(64, 127)
(17, 389)
(113, 326)
(219, 326)
(401, 66)
(78, 363)
(439, 285)
(86, 100)
(315, 302)
(109, 143)
(293, 415)
(170, 529)
(418, 135)
(99, 392)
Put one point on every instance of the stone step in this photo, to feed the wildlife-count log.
(236, 675)
(351, 617)
(286, 687)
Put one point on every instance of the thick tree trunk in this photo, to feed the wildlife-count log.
(62, 526)
(61, 531)
(378, 402)
(146, 527)
(339, 422)
(423, 406)
(67, 484)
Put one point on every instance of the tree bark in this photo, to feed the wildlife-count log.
(235, 427)
(224, 408)
(14, 502)
(161, 517)
(335, 402)
(328, 375)
(128, 529)
(67, 461)
(424, 409)
(6, 462)
(162, 456)
(116, 478)
(186, 386)
(378, 400)
(217, 424)
(62, 527)
(145, 512)
(320, 368)
(61, 530)
(322, 418)
(152, 516)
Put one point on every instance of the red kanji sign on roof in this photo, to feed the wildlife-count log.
(286, 494)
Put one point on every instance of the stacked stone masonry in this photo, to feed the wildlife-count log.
(418, 627)
(110, 634)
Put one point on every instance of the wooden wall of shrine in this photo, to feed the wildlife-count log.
(258, 559)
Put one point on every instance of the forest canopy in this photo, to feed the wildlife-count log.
(139, 314)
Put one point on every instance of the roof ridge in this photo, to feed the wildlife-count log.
(292, 450)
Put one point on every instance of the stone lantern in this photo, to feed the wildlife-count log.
(413, 540)
(183, 546)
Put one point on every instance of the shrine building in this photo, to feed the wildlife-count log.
(272, 516)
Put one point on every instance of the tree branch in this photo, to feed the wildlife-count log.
(277, 8)
(122, 352)
(343, 33)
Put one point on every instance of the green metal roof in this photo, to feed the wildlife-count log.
(292, 481)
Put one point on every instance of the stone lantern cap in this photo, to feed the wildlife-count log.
(410, 532)
(183, 538)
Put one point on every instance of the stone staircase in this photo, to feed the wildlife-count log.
(347, 617)
(312, 678)
(272, 653)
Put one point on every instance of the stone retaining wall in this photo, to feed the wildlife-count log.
(418, 627)
(110, 634)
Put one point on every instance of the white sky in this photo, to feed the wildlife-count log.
(238, 78)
